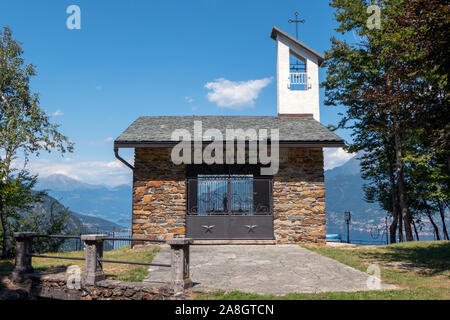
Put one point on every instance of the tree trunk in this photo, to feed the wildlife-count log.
(415, 229)
(442, 214)
(428, 213)
(7, 236)
(401, 189)
(400, 230)
(393, 229)
(393, 226)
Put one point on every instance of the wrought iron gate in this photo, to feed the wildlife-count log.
(229, 206)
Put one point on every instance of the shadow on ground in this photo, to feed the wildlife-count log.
(435, 257)
(7, 293)
(5, 269)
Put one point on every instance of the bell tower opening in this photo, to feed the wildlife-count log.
(298, 77)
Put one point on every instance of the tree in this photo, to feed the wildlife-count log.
(54, 223)
(359, 77)
(393, 84)
(17, 196)
(377, 168)
(24, 126)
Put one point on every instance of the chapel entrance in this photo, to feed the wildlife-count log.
(228, 202)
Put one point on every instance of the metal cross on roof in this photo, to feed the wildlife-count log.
(296, 21)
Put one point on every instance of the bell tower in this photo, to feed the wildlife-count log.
(297, 76)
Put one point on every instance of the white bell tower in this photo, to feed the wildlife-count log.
(297, 77)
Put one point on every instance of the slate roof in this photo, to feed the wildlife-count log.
(159, 129)
(276, 31)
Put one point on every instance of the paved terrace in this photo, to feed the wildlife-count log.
(263, 269)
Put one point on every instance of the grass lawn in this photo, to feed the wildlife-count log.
(421, 270)
(113, 271)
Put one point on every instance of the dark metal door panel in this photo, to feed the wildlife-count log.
(228, 205)
(229, 227)
(207, 227)
(251, 227)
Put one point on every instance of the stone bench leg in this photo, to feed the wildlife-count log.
(24, 249)
(180, 278)
(93, 251)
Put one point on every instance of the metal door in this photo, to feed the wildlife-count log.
(229, 206)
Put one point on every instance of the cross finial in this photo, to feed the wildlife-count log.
(296, 21)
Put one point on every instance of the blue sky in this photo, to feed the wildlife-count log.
(134, 58)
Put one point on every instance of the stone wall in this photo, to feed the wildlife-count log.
(54, 286)
(299, 196)
(158, 195)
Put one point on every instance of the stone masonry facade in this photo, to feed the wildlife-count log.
(159, 195)
(299, 197)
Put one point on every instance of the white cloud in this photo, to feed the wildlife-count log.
(334, 157)
(57, 113)
(235, 94)
(109, 139)
(110, 173)
(99, 87)
(189, 99)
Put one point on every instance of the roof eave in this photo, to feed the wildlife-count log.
(276, 31)
(284, 144)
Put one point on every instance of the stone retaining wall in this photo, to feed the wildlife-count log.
(54, 286)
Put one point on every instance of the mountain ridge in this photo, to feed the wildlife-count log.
(61, 182)
(76, 221)
(110, 203)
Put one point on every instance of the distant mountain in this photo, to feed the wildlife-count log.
(76, 222)
(111, 203)
(351, 167)
(60, 182)
(344, 192)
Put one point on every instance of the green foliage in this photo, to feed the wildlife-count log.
(24, 129)
(24, 125)
(18, 193)
(56, 223)
(393, 83)
(19, 198)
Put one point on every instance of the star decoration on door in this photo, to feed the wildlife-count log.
(208, 228)
(251, 227)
